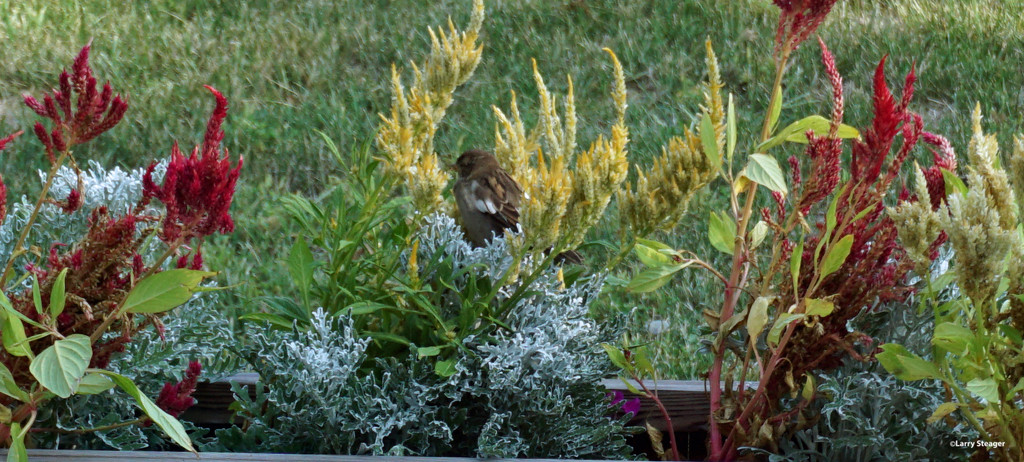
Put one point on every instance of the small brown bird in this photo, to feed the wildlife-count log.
(488, 200)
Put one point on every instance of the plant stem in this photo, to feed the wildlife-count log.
(79, 431)
(50, 176)
(664, 415)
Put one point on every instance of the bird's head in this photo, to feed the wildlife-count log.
(472, 160)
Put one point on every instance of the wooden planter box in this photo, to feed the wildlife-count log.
(687, 401)
(52, 455)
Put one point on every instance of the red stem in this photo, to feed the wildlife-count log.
(664, 414)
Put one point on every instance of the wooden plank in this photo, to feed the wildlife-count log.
(51, 455)
(688, 403)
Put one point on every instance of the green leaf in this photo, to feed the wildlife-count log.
(37, 298)
(171, 426)
(1012, 333)
(943, 410)
(985, 388)
(94, 383)
(808, 392)
(758, 233)
(17, 452)
(9, 387)
(652, 279)
(424, 352)
(722, 232)
(836, 256)
(953, 338)
(906, 365)
(629, 386)
(730, 130)
(775, 109)
(61, 366)
(764, 169)
(795, 260)
(616, 356)
(796, 132)
(780, 324)
(445, 368)
(57, 296)
(274, 319)
(12, 332)
(709, 142)
(953, 183)
(818, 307)
(164, 290)
(300, 265)
(651, 257)
(643, 362)
(758, 317)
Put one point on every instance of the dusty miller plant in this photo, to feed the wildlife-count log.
(527, 390)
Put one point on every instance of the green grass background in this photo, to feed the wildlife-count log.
(290, 68)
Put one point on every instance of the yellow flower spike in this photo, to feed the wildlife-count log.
(407, 136)
(713, 96)
(619, 90)
(983, 152)
(1017, 171)
(414, 268)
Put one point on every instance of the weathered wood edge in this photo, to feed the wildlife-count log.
(53, 455)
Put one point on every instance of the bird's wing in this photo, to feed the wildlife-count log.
(497, 195)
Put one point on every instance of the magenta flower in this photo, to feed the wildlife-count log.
(198, 189)
(627, 406)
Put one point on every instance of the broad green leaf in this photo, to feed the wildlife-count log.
(424, 352)
(367, 307)
(659, 246)
(61, 366)
(300, 265)
(164, 290)
(722, 232)
(730, 324)
(171, 426)
(652, 279)
(906, 365)
(943, 410)
(780, 325)
(818, 307)
(709, 142)
(445, 368)
(12, 332)
(5, 415)
(1012, 333)
(274, 319)
(953, 338)
(758, 317)
(17, 452)
(651, 257)
(730, 130)
(764, 169)
(616, 356)
(9, 387)
(985, 388)
(94, 383)
(844, 132)
(953, 183)
(758, 233)
(836, 256)
(57, 295)
(775, 109)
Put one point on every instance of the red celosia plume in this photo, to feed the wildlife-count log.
(197, 190)
(798, 20)
(94, 111)
(177, 398)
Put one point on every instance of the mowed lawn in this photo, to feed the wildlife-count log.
(292, 69)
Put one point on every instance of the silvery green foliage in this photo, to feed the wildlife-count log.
(116, 189)
(531, 392)
(868, 414)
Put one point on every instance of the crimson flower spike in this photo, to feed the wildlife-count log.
(198, 189)
(799, 19)
(76, 122)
